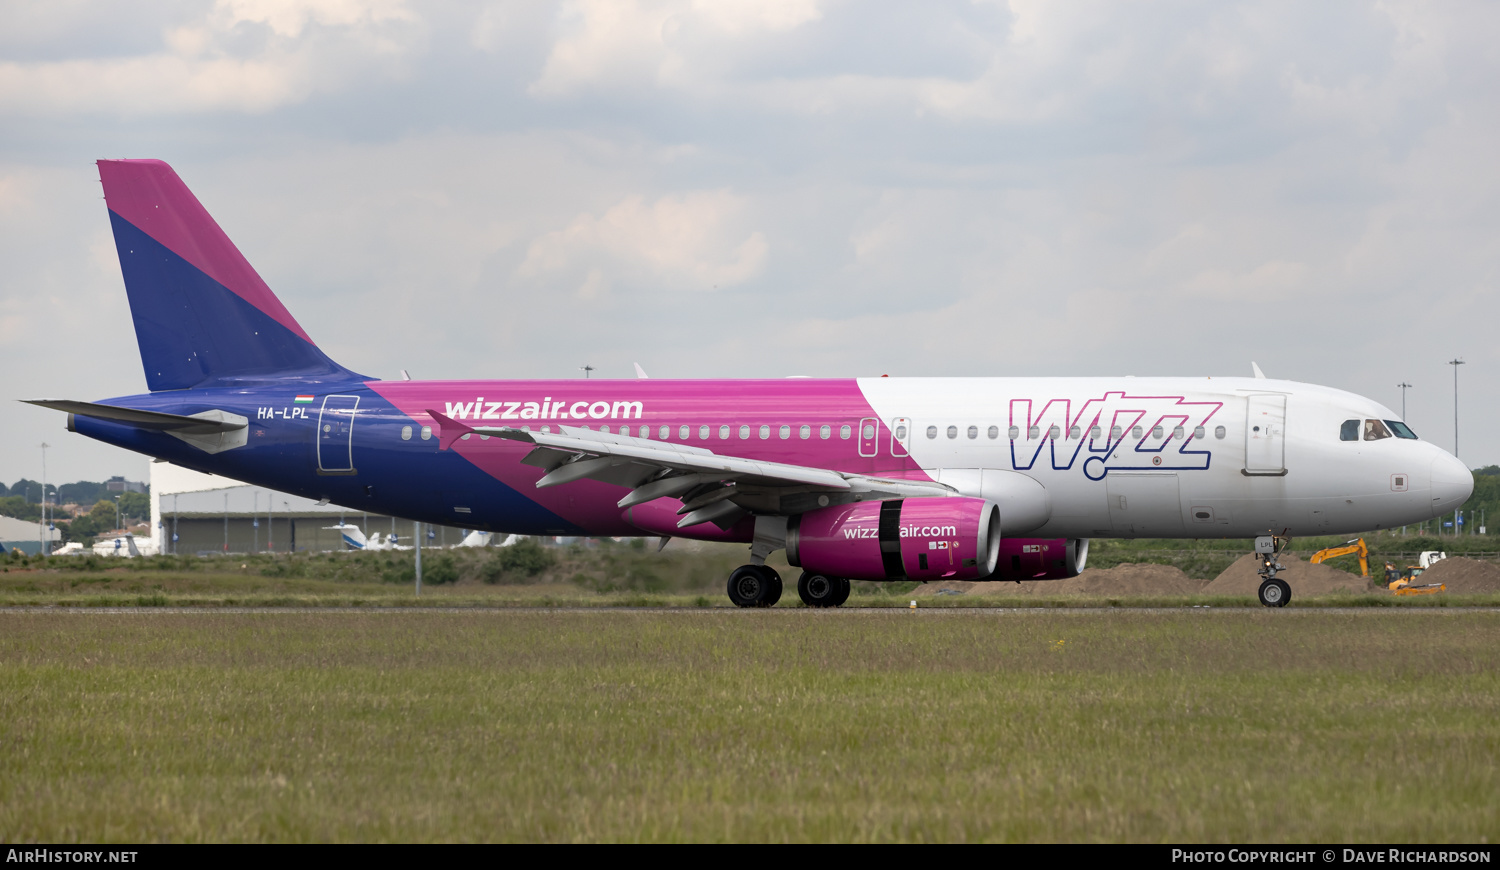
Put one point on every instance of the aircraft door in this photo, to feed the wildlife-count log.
(336, 435)
(869, 431)
(1265, 435)
(900, 436)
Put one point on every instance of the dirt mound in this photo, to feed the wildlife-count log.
(1306, 579)
(1463, 575)
(1131, 579)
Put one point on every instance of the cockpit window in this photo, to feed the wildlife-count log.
(1349, 431)
(1375, 430)
(1401, 429)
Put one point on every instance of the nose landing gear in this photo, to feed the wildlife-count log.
(1273, 592)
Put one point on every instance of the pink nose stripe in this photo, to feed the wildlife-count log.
(151, 196)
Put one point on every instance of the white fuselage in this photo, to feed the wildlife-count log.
(1168, 457)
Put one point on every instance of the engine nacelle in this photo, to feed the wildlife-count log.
(917, 538)
(1041, 558)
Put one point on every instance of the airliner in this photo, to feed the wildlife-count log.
(875, 479)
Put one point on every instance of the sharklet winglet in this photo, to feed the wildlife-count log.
(449, 429)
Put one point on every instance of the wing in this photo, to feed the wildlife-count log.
(713, 487)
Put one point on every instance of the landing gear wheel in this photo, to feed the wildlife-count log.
(754, 586)
(842, 594)
(773, 586)
(820, 590)
(1275, 593)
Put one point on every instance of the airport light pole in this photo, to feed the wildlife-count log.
(585, 368)
(43, 541)
(416, 532)
(1456, 362)
(1403, 385)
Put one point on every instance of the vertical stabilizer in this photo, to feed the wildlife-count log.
(203, 317)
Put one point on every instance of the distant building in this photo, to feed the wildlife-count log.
(120, 484)
(25, 535)
(192, 512)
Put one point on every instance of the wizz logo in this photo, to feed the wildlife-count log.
(1117, 432)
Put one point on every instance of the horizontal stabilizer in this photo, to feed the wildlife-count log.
(199, 424)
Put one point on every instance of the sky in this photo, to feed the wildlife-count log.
(764, 188)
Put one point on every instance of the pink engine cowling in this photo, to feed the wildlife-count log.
(920, 538)
(1041, 558)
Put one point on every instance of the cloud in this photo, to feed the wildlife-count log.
(688, 242)
(249, 56)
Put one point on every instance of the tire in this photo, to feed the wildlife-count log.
(773, 586)
(818, 590)
(1275, 593)
(843, 592)
(754, 586)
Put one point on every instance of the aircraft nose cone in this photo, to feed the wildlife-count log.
(1452, 483)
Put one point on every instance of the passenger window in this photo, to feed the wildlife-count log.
(1156, 432)
(684, 432)
(973, 432)
(703, 433)
(765, 432)
(1178, 432)
(1401, 429)
(1095, 432)
(1014, 432)
(604, 427)
(825, 431)
(869, 431)
(1115, 433)
(645, 431)
(1349, 430)
(994, 432)
(785, 432)
(723, 432)
(426, 433)
(744, 432)
(900, 433)
(805, 432)
(845, 431)
(1033, 433)
(1375, 430)
(1075, 433)
(1219, 432)
(1197, 431)
(931, 431)
(1135, 432)
(952, 431)
(665, 433)
(405, 433)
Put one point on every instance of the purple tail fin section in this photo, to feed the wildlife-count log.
(203, 317)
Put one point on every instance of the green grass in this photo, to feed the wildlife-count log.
(1219, 726)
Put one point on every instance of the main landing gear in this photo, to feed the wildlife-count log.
(1273, 592)
(754, 586)
(760, 586)
(820, 590)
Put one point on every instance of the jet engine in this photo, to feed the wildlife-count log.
(954, 538)
(1041, 558)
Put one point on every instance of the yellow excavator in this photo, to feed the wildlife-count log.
(1399, 583)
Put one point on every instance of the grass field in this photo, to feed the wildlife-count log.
(604, 575)
(874, 725)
